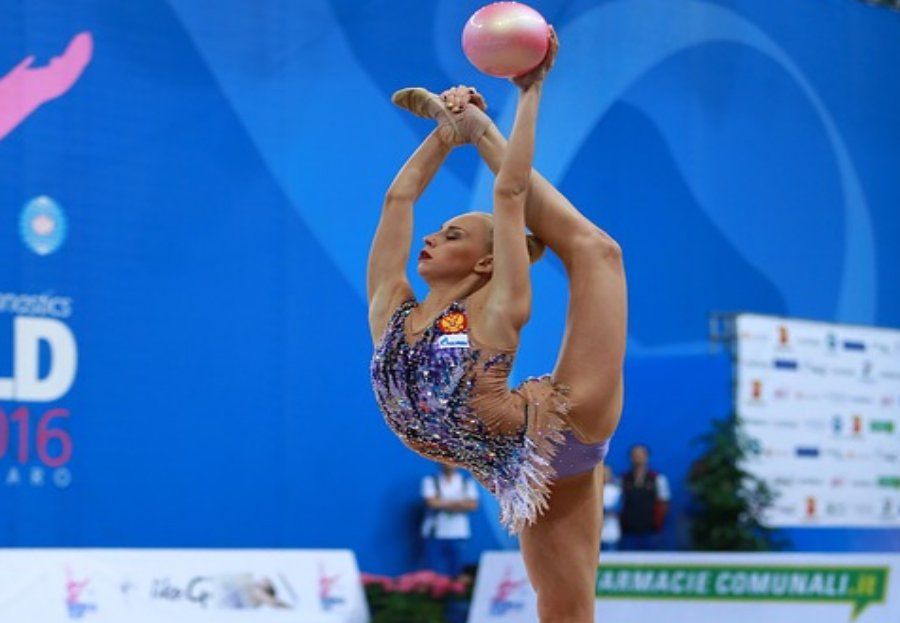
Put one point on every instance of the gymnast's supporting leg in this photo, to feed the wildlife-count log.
(561, 549)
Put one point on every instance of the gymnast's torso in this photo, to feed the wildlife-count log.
(447, 397)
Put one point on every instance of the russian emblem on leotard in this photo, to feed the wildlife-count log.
(452, 322)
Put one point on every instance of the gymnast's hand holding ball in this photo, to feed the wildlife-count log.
(457, 98)
(506, 39)
(537, 75)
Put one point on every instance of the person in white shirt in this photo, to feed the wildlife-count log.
(612, 499)
(449, 498)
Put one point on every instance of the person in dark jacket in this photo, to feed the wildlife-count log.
(645, 502)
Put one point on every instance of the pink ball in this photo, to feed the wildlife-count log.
(506, 39)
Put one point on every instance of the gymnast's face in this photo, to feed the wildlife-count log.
(459, 249)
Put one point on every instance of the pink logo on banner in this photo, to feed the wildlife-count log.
(502, 601)
(327, 584)
(25, 88)
(74, 604)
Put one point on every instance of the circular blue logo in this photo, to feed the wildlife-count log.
(42, 225)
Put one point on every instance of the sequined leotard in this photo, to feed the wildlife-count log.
(447, 397)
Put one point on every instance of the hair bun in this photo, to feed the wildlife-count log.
(536, 247)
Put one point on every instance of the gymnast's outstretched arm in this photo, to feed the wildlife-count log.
(386, 281)
(510, 299)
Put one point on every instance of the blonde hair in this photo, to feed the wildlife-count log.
(536, 246)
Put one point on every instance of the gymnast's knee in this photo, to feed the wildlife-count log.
(596, 243)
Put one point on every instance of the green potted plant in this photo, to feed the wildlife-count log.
(728, 502)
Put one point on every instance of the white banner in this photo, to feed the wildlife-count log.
(823, 403)
(725, 588)
(144, 585)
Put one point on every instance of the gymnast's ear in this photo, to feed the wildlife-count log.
(485, 266)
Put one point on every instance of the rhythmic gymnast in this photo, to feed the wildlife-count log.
(441, 366)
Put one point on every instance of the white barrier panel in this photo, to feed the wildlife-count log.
(196, 586)
(822, 402)
(695, 588)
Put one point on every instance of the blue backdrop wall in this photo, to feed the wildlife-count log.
(219, 174)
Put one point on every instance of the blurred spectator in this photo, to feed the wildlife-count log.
(645, 502)
(449, 498)
(612, 499)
